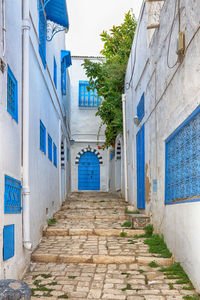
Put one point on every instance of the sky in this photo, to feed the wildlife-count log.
(88, 19)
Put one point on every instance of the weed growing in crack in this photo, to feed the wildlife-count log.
(126, 224)
(157, 245)
(127, 274)
(63, 297)
(141, 271)
(194, 297)
(153, 264)
(71, 277)
(51, 222)
(132, 241)
(148, 232)
(123, 234)
(128, 287)
(171, 286)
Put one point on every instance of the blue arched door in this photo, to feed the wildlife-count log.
(89, 172)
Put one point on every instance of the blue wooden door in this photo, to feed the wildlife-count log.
(89, 172)
(141, 169)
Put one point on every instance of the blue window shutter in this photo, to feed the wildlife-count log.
(182, 166)
(88, 98)
(49, 147)
(8, 241)
(12, 196)
(42, 137)
(63, 78)
(54, 155)
(67, 154)
(55, 73)
(12, 95)
(42, 34)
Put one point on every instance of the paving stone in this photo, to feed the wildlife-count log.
(84, 257)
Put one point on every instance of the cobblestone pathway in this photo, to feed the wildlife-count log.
(83, 256)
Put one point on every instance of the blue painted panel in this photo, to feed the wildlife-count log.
(54, 155)
(55, 72)
(141, 168)
(49, 147)
(67, 154)
(112, 155)
(42, 34)
(140, 109)
(12, 95)
(42, 137)
(89, 172)
(182, 170)
(56, 11)
(88, 98)
(12, 196)
(8, 241)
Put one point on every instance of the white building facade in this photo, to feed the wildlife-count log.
(163, 125)
(89, 163)
(34, 126)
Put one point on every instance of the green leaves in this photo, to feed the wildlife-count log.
(107, 76)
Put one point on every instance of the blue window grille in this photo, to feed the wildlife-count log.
(8, 242)
(12, 95)
(112, 155)
(54, 155)
(12, 196)
(88, 98)
(67, 154)
(182, 174)
(140, 109)
(42, 137)
(49, 147)
(42, 34)
(55, 72)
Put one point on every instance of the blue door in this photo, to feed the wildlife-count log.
(89, 172)
(141, 169)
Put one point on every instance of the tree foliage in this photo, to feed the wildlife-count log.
(107, 76)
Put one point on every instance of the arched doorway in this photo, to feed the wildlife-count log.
(89, 172)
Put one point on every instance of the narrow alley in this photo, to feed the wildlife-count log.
(86, 253)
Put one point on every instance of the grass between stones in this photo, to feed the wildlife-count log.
(51, 222)
(157, 245)
(128, 287)
(126, 224)
(123, 234)
(153, 264)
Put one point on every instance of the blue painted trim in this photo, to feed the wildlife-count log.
(90, 95)
(12, 196)
(42, 34)
(42, 137)
(141, 168)
(50, 147)
(55, 72)
(67, 154)
(8, 241)
(54, 155)
(141, 109)
(12, 95)
(177, 130)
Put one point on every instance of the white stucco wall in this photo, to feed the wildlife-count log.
(85, 127)
(47, 105)
(171, 95)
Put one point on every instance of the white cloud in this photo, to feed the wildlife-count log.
(88, 18)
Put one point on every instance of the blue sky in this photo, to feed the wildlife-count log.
(88, 18)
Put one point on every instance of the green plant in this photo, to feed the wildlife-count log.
(194, 297)
(102, 201)
(127, 274)
(52, 283)
(141, 271)
(153, 264)
(158, 245)
(63, 297)
(148, 230)
(123, 234)
(128, 287)
(132, 242)
(171, 286)
(107, 76)
(51, 222)
(71, 277)
(126, 224)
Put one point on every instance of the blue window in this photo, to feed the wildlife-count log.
(12, 196)
(42, 137)
(112, 155)
(12, 95)
(67, 154)
(182, 174)
(42, 34)
(65, 63)
(140, 109)
(8, 241)
(55, 72)
(54, 155)
(49, 147)
(87, 98)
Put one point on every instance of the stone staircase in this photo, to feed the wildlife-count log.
(87, 254)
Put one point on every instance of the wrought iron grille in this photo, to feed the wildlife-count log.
(12, 99)
(12, 196)
(183, 161)
(87, 98)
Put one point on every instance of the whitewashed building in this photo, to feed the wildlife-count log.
(34, 125)
(89, 163)
(163, 125)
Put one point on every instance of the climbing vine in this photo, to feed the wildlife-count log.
(107, 76)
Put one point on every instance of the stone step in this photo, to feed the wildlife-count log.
(99, 232)
(61, 215)
(99, 259)
(138, 221)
